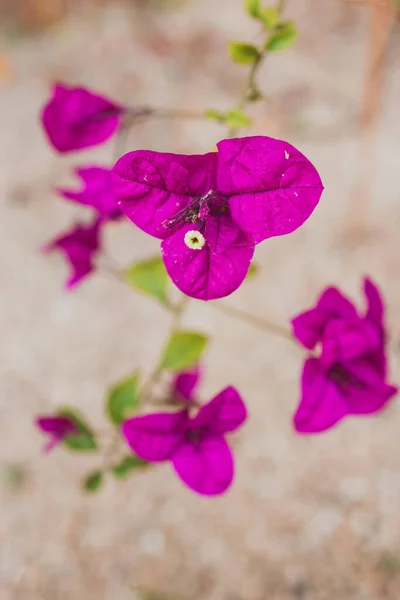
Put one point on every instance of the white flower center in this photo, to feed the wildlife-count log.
(194, 240)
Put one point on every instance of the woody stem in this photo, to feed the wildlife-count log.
(253, 320)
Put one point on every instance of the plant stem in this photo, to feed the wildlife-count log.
(250, 83)
(253, 320)
(164, 113)
(177, 312)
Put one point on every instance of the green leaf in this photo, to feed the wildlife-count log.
(237, 119)
(269, 16)
(233, 118)
(243, 53)
(83, 440)
(123, 399)
(149, 276)
(253, 7)
(93, 481)
(183, 350)
(282, 37)
(214, 115)
(253, 270)
(127, 465)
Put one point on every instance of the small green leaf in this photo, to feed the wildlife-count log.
(253, 7)
(84, 439)
(237, 119)
(123, 399)
(149, 276)
(282, 37)
(253, 270)
(243, 53)
(214, 115)
(93, 481)
(269, 16)
(127, 465)
(183, 350)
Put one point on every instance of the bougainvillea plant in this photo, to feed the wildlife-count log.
(210, 211)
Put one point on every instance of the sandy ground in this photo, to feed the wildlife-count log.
(308, 519)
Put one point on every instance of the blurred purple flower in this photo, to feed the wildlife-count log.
(57, 428)
(331, 393)
(196, 446)
(211, 210)
(349, 376)
(184, 385)
(79, 246)
(96, 192)
(76, 118)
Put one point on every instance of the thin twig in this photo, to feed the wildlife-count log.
(250, 83)
(253, 320)
(177, 312)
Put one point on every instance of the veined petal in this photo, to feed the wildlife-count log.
(201, 273)
(221, 232)
(155, 437)
(344, 340)
(321, 405)
(152, 187)
(309, 326)
(206, 467)
(76, 118)
(225, 412)
(272, 187)
(367, 392)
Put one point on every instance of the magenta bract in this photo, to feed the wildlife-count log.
(57, 428)
(80, 246)
(76, 118)
(329, 394)
(211, 210)
(184, 385)
(96, 192)
(349, 375)
(196, 446)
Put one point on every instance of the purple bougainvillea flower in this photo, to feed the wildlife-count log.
(80, 246)
(349, 376)
(76, 118)
(211, 210)
(185, 384)
(57, 428)
(196, 446)
(96, 192)
(344, 333)
(331, 393)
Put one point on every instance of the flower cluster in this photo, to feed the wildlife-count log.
(74, 119)
(194, 444)
(211, 210)
(348, 376)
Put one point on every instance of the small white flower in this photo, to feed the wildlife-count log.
(194, 240)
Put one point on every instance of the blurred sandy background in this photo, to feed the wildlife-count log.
(307, 519)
